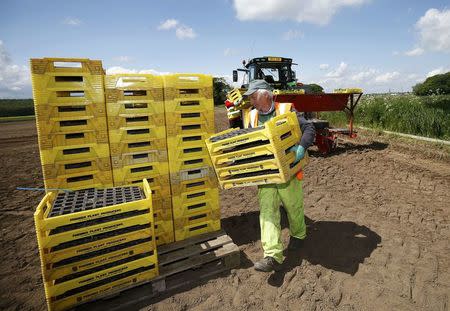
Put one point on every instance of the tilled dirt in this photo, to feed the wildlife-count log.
(378, 233)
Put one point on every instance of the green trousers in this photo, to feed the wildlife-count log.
(270, 197)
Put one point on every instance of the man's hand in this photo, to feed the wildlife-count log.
(299, 152)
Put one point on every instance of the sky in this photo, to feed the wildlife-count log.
(377, 45)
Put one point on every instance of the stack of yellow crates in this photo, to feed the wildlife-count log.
(95, 242)
(189, 110)
(137, 135)
(256, 156)
(71, 122)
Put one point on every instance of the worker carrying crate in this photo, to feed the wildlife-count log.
(272, 192)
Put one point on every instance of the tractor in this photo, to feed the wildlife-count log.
(306, 98)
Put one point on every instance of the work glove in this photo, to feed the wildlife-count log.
(299, 152)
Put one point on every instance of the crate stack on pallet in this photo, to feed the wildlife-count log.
(137, 136)
(71, 122)
(189, 111)
(255, 156)
(95, 242)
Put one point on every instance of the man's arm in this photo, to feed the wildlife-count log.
(308, 131)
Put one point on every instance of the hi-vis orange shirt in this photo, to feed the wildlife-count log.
(250, 118)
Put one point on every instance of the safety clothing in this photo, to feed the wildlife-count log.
(270, 197)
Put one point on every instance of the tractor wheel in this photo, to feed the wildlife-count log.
(320, 124)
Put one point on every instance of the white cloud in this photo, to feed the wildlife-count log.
(338, 72)
(414, 52)
(364, 75)
(312, 11)
(117, 69)
(324, 66)
(387, 77)
(168, 24)
(438, 71)
(185, 32)
(292, 34)
(14, 79)
(181, 31)
(71, 21)
(434, 30)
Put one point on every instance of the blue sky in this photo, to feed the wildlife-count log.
(378, 45)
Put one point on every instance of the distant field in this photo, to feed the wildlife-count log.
(16, 107)
(15, 119)
(424, 116)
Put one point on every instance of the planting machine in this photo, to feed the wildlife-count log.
(308, 99)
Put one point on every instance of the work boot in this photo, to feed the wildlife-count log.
(267, 264)
(295, 244)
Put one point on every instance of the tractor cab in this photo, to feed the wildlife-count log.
(275, 70)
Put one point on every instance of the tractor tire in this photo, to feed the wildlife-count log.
(320, 124)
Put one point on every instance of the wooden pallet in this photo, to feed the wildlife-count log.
(181, 264)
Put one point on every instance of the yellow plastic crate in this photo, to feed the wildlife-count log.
(165, 238)
(186, 105)
(49, 240)
(195, 218)
(192, 174)
(193, 185)
(63, 168)
(71, 125)
(57, 270)
(88, 250)
(44, 223)
(131, 120)
(184, 85)
(138, 273)
(189, 163)
(74, 153)
(257, 156)
(140, 171)
(60, 111)
(57, 140)
(190, 129)
(133, 81)
(69, 66)
(141, 157)
(126, 148)
(173, 118)
(196, 229)
(133, 106)
(187, 141)
(134, 134)
(195, 201)
(55, 81)
(93, 179)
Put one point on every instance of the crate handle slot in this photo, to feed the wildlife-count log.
(68, 78)
(191, 150)
(136, 119)
(195, 184)
(77, 165)
(192, 138)
(190, 103)
(137, 132)
(67, 64)
(140, 156)
(196, 195)
(190, 115)
(69, 93)
(199, 205)
(188, 91)
(80, 178)
(142, 169)
(140, 144)
(135, 93)
(76, 150)
(74, 135)
(135, 105)
(190, 127)
(71, 108)
(187, 162)
(198, 227)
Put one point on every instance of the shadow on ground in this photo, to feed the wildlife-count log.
(336, 245)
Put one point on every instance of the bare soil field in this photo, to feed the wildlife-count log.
(378, 233)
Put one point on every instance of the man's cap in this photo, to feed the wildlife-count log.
(257, 85)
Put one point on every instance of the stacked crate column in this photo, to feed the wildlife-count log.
(137, 134)
(95, 242)
(189, 111)
(71, 122)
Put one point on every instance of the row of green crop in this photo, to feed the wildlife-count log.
(424, 116)
(16, 107)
